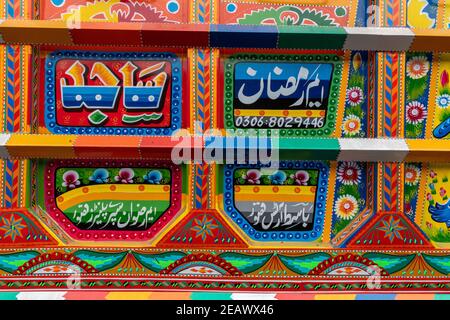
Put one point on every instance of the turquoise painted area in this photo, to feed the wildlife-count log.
(100, 260)
(8, 295)
(391, 263)
(210, 296)
(245, 263)
(11, 262)
(157, 262)
(375, 296)
(303, 264)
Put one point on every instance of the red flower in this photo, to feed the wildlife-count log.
(444, 78)
(415, 112)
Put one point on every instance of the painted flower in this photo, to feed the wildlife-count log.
(429, 225)
(100, 176)
(442, 192)
(354, 96)
(417, 67)
(349, 173)
(392, 229)
(252, 176)
(444, 78)
(346, 207)
(153, 177)
(351, 125)
(301, 177)
(278, 177)
(408, 209)
(415, 112)
(443, 100)
(125, 175)
(433, 174)
(71, 179)
(412, 175)
(12, 227)
(204, 227)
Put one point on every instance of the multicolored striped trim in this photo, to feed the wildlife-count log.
(225, 36)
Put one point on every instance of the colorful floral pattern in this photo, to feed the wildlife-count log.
(417, 83)
(349, 173)
(351, 125)
(346, 207)
(417, 67)
(276, 177)
(443, 100)
(415, 112)
(71, 178)
(355, 96)
(125, 176)
(350, 195)
(100, 176)
(412, 174)
(355, 112)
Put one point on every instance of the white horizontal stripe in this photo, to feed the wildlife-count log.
(359, 149)
(35, 295)
(380, 39)
(4, 137)
(253, 296)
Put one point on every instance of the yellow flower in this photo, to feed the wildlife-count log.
(346, 207)
(351, 125)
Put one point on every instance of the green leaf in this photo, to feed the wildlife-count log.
(416, 87)
(97, 117)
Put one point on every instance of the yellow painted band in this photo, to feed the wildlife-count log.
(113, 192)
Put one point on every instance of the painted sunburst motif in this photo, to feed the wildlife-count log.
(115, 11)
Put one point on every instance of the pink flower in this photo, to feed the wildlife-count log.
(349, 173)
(408, 208)
(429, 197)
(301, 177)
(252, 176)
(442, 192)
(355, 96)
(415, 112)
(126, 175)
(71, 179)
(444, 78)
(433, 174)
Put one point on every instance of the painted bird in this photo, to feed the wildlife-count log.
(441, 213)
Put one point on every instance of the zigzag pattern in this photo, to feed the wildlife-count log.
(393, 13)
(201, 186)
(391, 111)
(390, 186)
(203, 88)
(391, 95)
(13, 8)
(12, 107)
(203, 10)
(203, 118)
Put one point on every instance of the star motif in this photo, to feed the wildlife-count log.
(12, 227)
(203, 227)
(392, 229)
